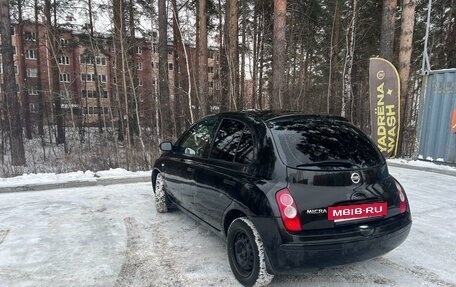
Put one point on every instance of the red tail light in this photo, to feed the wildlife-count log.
(288, 210)
(402, 197)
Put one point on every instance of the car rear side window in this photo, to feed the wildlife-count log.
(326, 144)
(245, 149)
(233, 142)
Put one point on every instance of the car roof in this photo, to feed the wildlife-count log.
(272, 115)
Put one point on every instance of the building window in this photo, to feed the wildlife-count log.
(140, 82)
(64, 41)
(211, 84)
(63, 60)
(64, 78)
(93, 94)
(30, 54)
(85, 59)
(34, 108)
(140, 66)
(32, 72)
(14, 50)
(210, 70)
(210, 54)
(217, 85)
(101, 60)
(170, 52)
(33, 91)
(102, 78)
(87, 77)
(30, 36)
(154, 49)
(170, 66)
(138, 50)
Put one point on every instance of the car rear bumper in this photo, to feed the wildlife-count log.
(301, 253)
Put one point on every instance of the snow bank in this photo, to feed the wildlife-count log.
(52, 178)
(422, 163)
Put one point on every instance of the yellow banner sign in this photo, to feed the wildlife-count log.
(384, 93)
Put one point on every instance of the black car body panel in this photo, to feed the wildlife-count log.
(215, 185)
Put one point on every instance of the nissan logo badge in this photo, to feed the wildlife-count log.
(355, 177)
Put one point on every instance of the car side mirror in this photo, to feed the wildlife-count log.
(166, 146)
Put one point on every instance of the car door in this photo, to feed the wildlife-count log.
(193, 145)
(222, 175)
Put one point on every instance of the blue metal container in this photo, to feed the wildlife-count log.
(437, 139)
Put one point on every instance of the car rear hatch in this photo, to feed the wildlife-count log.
(335, 174)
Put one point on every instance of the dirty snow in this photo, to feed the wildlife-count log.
(112, 236)
(48, 178)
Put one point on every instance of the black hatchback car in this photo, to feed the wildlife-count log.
(290, 192)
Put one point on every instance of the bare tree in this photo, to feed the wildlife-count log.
(279, 54)
(9, 79)
(202, 59)
(333, 90)
(41, 102)
(405, 53)
(388, 29)
(350, 50)
(22, 70)
(52, 39)
(165, 110)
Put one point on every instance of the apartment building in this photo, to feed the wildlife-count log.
(79, 66)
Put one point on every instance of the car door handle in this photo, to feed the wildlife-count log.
(190, 169)
(229, 182)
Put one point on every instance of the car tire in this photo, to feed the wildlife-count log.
(246, 254)
(161, 200)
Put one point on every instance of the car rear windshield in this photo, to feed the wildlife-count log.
(323, 144)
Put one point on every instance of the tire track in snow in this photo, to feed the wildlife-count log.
(130, 265)
(418, 272)
(166, 259)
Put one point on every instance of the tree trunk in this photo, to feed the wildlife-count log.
(405, 53)
(55, 81)
(184, 69)
(119, 35)
(334, 60)
(350, 50)
(232, 43)
(9, 80)
(241, 94)
(255, 56)
(95, 69)
(278, 55)
(388, 28)
(41, 102)
(451, 38)
(165, 110)
(202, 59)
(179, 72)
(22, 72)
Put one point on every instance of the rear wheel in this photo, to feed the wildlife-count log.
(161, 200)
(246, 254)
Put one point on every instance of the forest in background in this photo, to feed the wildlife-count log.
(310, 56)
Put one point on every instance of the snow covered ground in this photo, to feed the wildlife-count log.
(112, 236)
(53, 178)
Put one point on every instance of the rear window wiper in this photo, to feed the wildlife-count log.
(346, 163)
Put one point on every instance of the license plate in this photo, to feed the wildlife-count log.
(358, 211)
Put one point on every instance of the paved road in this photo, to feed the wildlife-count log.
(112, 236)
